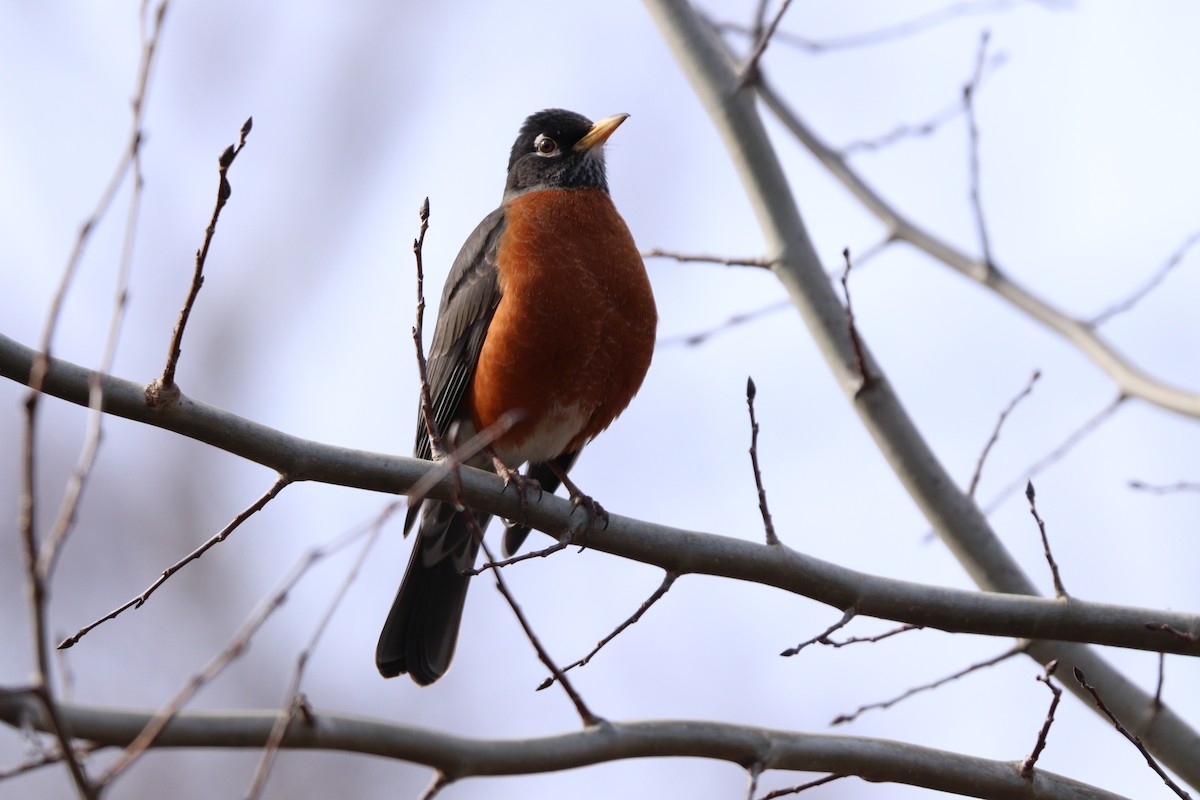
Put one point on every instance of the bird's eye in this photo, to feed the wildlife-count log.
(544, 145)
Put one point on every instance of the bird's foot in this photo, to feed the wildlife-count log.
(595, 511)
(523, 483)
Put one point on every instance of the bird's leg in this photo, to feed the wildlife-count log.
(594, 510)
(523, 483)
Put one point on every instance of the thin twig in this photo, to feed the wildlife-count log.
(69, 507)
(40, 560)
(562, 544)
(700, 337)
(581, 707)
(1150, 285)
(1162, 627)
(1015, 650)
(47, 758)
(687, 258)
(1169, 488)
(860, 360)
(849, 614)
(294, 704)
(871, 639)
(888, 33)
(655, 596)
(1128, 377)
(222, 535)
(462, 454)
(1031, 760)
(749, 71)
(232, 651)
(440, 781)
(162, 391)
(436, 447)
(991, 442)
(1135, 740)
(969, 92)
(1162, 679)
(948, 113)
(752, 773)
(1059, 591)
(1059, 452)
(768, 525)
(804, 787)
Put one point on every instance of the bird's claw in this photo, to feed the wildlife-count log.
(524, 485)
(594, 511)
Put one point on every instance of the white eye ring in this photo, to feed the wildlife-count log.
(543, 145)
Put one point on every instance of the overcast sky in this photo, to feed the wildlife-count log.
(1090, 180)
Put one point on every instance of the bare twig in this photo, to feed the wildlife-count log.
(440, 781)
(804, 787)
(231, 652)
(1150, 285)
(991, 442)
(700, 337)
(1129, 378)
(870, 639)
(687, 258)
(948, 113)
(1015, 650)
(752, 773)
(1135, 740)
(1162, 627)
(860, 361)
(1031, 760)
(969, 91)
(1057, 454)
(294, 704)
(768, 525)
(1162, 679)
(581, 707)
(850, 614)
(562, 544)
(461, 454)
(888, 33)
(163, 392)
(1169, 488)
(749, 71)
(1059, 591)
(137, 602)
(40, 560)
(418, 333)
(655, 596)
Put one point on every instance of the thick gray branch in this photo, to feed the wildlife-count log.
(875, 760)
(673, 549)
(731, 105)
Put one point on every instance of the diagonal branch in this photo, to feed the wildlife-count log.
(1129, 378)
(713, 73)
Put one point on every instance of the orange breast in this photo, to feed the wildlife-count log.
(573, 334)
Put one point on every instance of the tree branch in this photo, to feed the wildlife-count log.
(713, 73)
(672, 549)
(1129, 378)
(455, 757)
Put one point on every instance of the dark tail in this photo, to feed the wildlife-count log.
(421, 630)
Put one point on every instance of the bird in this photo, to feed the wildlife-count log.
(548, 315)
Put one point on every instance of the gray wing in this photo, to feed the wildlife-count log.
(468, 304)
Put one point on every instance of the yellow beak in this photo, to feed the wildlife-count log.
(600, 132)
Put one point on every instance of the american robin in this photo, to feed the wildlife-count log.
(547, 312)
